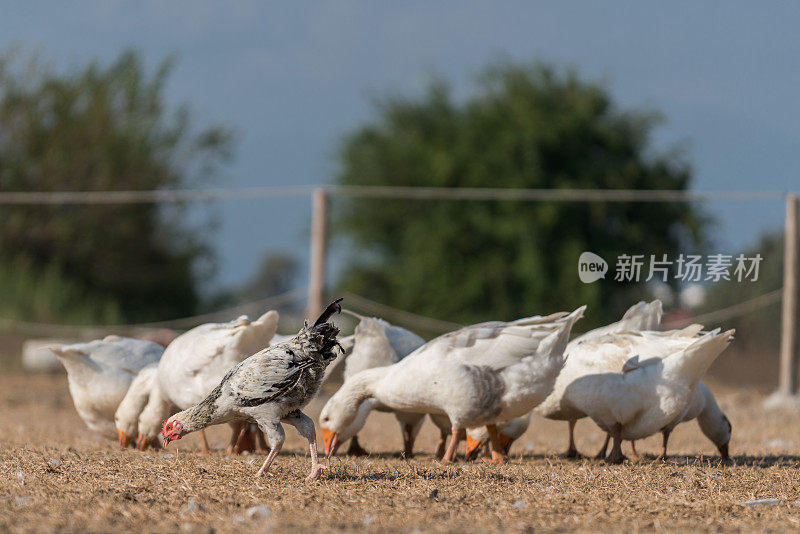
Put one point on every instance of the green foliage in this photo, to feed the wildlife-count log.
(49, 297)
(102, 128)
(471, 261)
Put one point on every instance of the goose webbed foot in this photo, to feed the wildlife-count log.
(615, 459)
(497, 447)
(572, 454)
(634, 454)
(616, 456)
(572, 451)
(601, 454)
(496, 459)
(457, 435)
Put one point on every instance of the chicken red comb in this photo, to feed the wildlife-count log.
(164, 428)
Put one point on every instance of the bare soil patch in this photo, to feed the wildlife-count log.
(54, 475)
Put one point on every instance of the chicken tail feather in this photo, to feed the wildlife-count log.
(333, 307)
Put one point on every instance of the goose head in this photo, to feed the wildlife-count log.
(329, 414)
(714, 423)
(343, 415)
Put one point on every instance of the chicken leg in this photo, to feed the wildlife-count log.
(275, 438)
(305, 427)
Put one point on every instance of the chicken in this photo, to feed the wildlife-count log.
(196, 361)
(268, 388)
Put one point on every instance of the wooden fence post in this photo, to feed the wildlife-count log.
(789, 368)
(316, 281)
(789, 326)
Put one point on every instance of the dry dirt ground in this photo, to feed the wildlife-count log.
(56, 476)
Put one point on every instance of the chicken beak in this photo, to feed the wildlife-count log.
(473, 446)
(723, 451)
(123, 439)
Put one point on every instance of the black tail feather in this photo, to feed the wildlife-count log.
(333, 307)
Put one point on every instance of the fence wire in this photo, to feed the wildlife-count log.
(166, 196)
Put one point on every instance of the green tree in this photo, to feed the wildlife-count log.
(524, 127)
(99, 128)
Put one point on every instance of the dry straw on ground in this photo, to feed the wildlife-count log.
(54, 475)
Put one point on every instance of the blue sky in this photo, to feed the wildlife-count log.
(291, 78)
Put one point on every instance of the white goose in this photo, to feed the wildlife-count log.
(475, 376)
(99, 374)
(376, 343)
(633, 384)
(126, 417)
(195, 363)
(640, 316)
(710, 418)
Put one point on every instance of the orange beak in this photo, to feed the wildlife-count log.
(141, 442)
(124, 440)
(473, 448)
(331, 441)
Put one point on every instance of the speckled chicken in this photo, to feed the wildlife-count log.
(268, 388)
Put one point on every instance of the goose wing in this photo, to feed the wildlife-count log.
(494, 344)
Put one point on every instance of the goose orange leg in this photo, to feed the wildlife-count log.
(664, 439)
(440, 445)
(616, 456)
(498, 454)
(204, 448)
(634, 455)
(408, 441)
(601, 454)
(455, 439)
(572, 451)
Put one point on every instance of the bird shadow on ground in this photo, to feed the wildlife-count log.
(354, 474)
(780, 460)
(743, 460)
